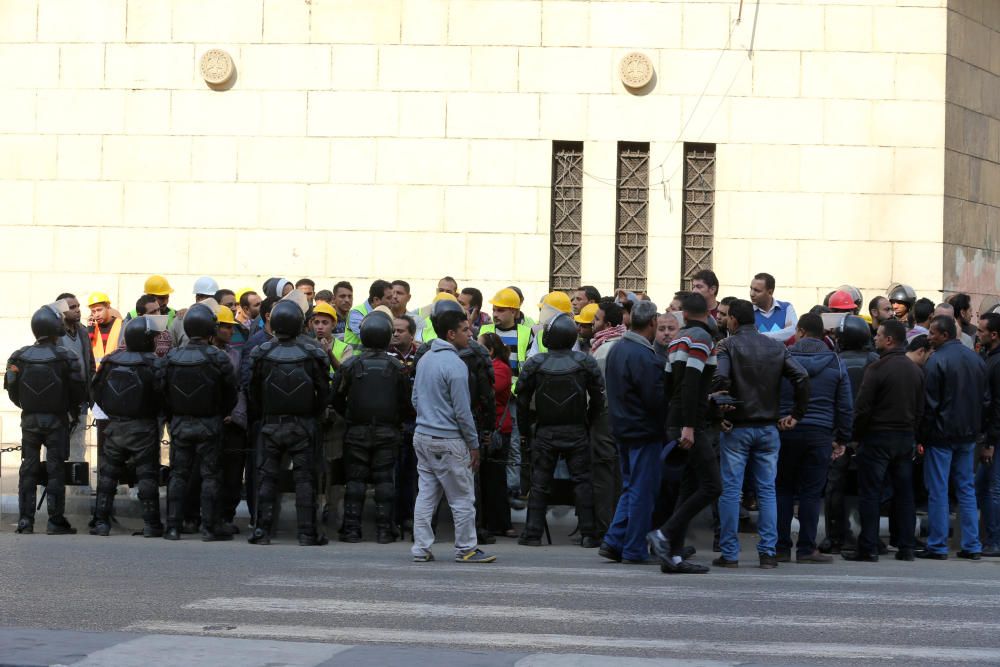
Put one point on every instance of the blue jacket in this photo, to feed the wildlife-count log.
(831, 405)
(954, 387)
(636, 390)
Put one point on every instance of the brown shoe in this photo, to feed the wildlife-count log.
(768, 562)
(814, 558)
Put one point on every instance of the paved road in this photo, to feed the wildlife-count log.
(559, 599)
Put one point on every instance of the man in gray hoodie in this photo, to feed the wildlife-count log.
(446, 442)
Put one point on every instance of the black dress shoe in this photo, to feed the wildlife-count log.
(722, 561)
(970, 555)
(525, 541)
(931, 555)
(609, 552)
(859, 556)
(905, 554)
(684, 567)
(589, 542)
(312, 540)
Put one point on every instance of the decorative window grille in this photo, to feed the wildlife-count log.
(699, 210)
(632, 217)
(567, 215)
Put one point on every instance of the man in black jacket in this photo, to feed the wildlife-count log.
(750, 368)
(988, 474)
(691, 365)
(889, 405)
(954, 386)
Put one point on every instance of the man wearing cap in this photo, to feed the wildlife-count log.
(585, 326)
(234, 429)
(517, 337)
(205, 287)
(552, 304)
(104, 329)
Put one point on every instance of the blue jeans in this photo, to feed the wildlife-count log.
(988, 494)
(640, 467)
(940, 464)
(757, 446)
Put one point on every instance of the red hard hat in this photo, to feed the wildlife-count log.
(841, 300)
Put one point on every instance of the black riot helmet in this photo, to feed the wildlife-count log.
(376, 331)
(902, 294)
(560, 333)
(445, 306)
(47, 322)
(199, 321)
(140, 334)
(853, 333)
(286, 320)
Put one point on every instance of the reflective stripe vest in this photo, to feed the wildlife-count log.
(113, 337)
(350, 337)
(523, 341)
(170, 316)
(427, 333)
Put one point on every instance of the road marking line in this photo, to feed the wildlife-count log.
(504, 641)
(656, 589)
(614, 572)
(394, 608)
(219, 652)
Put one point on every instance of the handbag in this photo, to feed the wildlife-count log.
(496, 438)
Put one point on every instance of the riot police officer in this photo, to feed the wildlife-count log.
(288, 394)
(568, 393)
(201, 392)
(855, 345)
(46, 381)
(902, 297)
(371, 391)
(129, 388)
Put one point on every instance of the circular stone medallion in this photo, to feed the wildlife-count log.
(636, 70)
(216, 67)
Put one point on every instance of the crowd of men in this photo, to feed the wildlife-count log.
(728, 404)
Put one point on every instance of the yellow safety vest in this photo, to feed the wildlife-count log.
(351, 338)
(523, 341)
(113, 337)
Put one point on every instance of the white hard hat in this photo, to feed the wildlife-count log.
(206, 286)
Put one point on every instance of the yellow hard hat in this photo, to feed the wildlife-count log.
(506, 298)
(157, 286)
(444, 296)
(322, 308)
(95, 298)
(587, 314)
(225, 316)
(558, 300)
(239, 294)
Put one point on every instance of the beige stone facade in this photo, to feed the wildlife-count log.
(411, 138)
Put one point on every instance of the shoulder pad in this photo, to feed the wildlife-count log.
(127, 358)
(287, 353)
(40, 353)
(560, 364)
(187, 356)
(532, 364)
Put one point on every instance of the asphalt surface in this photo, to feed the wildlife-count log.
(553, 600)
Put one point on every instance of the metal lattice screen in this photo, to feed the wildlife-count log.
(567, 215)
(632, 217)
(699, 210)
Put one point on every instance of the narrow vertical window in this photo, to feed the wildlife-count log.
(699, 210)
(632, 217)
(567, 215)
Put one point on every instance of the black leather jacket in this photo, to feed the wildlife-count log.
(750, 369)
(954, 387)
